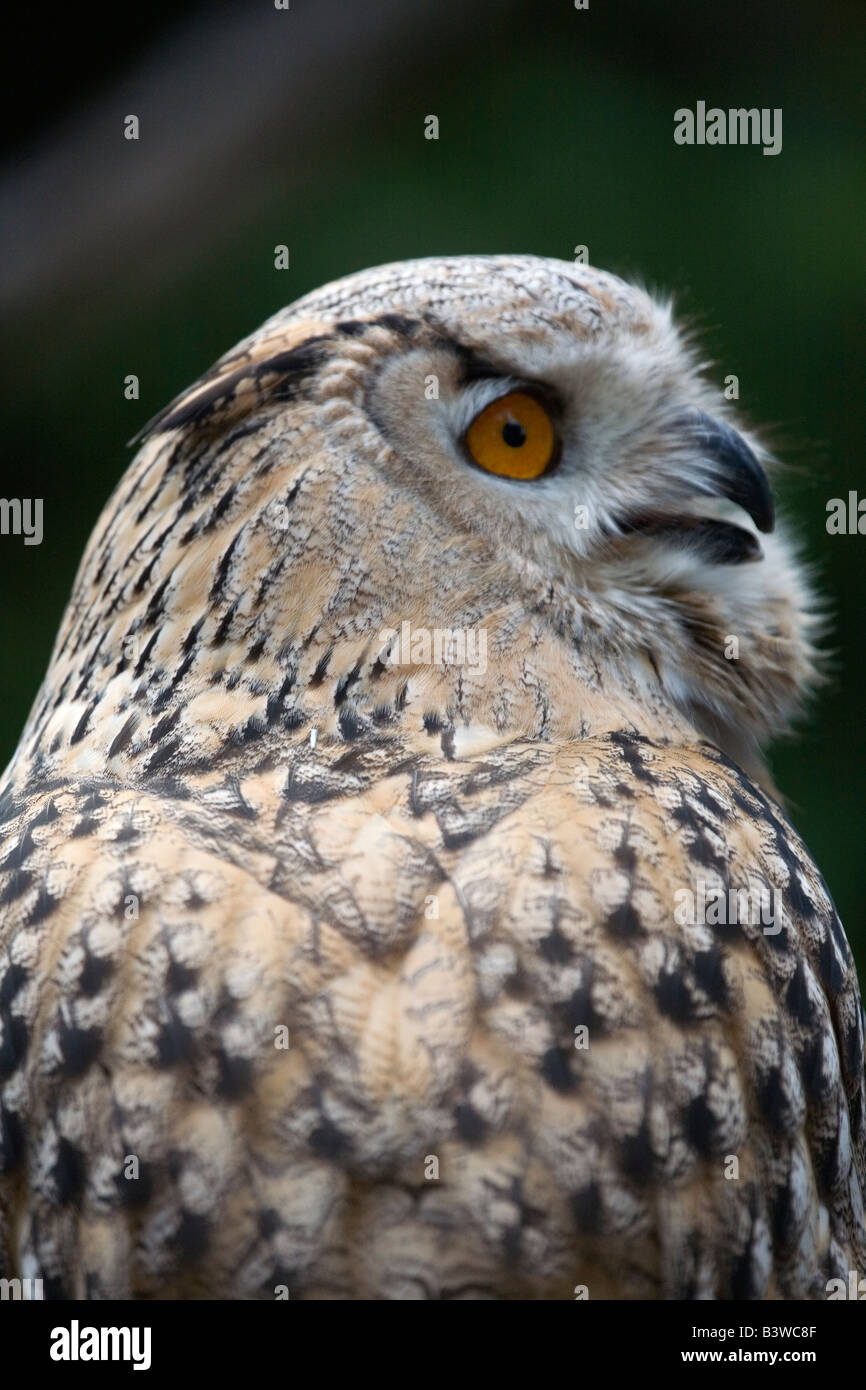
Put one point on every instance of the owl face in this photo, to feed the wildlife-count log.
(507, 445)
(559, 414)
(568, 441)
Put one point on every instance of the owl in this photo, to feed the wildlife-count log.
(394, 903)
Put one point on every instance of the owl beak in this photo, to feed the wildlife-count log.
(728, 468)
(734, 471)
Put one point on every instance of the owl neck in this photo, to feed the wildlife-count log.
(329, 608)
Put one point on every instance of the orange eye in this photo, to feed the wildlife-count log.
(513, 437)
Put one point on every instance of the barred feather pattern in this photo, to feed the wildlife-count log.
(340, 978)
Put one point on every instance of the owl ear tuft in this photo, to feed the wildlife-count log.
(277, 369)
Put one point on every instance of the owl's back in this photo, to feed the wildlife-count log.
(373, 1020)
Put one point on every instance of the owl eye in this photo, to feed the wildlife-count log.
(513, 436)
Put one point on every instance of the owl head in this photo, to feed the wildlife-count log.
(501, 446)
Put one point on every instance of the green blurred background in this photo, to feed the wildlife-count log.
(306, 127)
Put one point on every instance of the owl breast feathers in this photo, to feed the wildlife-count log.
(393, 900)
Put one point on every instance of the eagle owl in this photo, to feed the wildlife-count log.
(393, 899)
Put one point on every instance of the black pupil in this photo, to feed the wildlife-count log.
(513, 434)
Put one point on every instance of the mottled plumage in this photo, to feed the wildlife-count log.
(231, 815)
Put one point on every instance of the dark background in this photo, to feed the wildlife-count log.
(261, 126)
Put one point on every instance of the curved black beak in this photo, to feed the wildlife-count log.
(734, 470)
